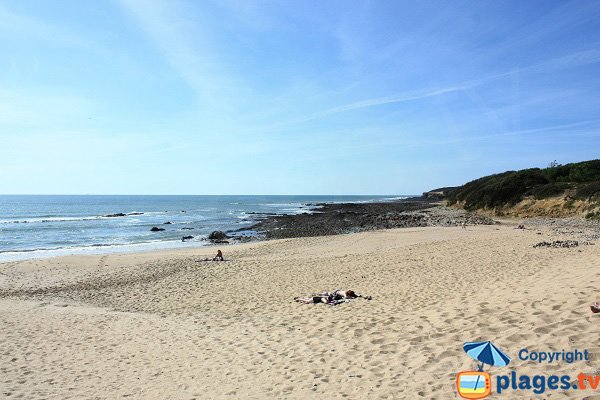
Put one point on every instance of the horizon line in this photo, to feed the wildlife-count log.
(113, 194)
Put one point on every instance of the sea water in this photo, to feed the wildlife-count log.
(50, 225)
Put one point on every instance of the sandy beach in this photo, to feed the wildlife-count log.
(160, 325)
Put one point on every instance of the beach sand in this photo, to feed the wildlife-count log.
(160, 325)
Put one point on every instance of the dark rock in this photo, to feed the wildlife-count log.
(220, 241)
(339, 218)
(187, 229)
(183, 239)
(217, 235)
(156, 229)
(167, 223)
(136, 213)
(558, 243)
(115, 215)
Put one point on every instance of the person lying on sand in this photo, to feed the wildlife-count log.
(331, 298)
(218, 257)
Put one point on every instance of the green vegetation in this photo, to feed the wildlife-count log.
(588, 191)
(508, 188)
(593, 215)
(550, 190)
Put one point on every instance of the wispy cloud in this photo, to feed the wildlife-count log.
(358, 148)
(544, 129)
(577, 59)
(185, 45)
(572, 60)
(554, 22)
(378, 101)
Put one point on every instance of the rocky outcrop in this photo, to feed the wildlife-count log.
(122, 214)
(156, 229)
(332, 219)
(217, 235)
(560, 243)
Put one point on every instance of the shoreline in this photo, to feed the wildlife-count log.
(239, 235)
(324, 219)
(51, 225)
(183, 229)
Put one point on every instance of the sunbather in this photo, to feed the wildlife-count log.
(218, 257)
(331, 298)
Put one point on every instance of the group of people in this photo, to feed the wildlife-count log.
(332, 298)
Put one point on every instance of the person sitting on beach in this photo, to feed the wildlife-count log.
(219, 256)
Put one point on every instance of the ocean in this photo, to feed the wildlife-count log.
(39, 226)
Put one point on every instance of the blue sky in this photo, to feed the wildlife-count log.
(291, 97)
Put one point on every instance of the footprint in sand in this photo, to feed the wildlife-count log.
(102, 261)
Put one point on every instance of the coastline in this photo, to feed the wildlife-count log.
(315, 219)
(161, 324)
(112, 224)
(343, 218)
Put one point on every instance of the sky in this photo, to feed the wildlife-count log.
(291, 97)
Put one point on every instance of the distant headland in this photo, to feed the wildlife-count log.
(556, 191)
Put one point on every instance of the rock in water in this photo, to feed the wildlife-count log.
(183, 239)
(115, 215)
(156, 229)
(217, 235)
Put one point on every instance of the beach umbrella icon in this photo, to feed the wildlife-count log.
(486, 353)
